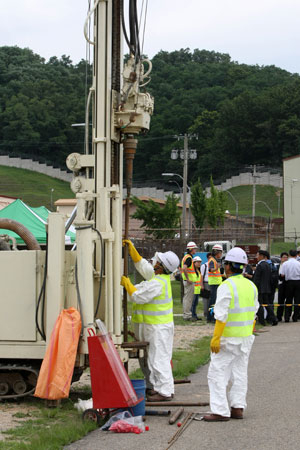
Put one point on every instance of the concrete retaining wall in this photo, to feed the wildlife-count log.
(35, 166)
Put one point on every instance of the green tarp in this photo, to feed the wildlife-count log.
(34, 219)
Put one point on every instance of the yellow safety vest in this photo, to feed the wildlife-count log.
(160, 309)
(214, 277)
(242, 307)
(197, 286)
(190, 270)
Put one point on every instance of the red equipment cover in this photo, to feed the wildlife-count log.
(111, 386)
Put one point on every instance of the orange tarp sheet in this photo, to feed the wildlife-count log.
(58, 365)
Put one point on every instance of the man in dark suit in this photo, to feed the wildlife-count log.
(263, 280)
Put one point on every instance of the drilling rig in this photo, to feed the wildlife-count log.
(38, 284)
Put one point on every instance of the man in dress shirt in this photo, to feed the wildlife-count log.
(290, 270)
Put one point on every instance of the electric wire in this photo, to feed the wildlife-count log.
(42, 294)
(146, 12)
(101, 271)
(77, 282)
(78, 295)
(124, 25)
(85, 28)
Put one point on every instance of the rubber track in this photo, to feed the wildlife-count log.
(15, 368)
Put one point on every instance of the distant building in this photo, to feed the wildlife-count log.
(291, 183)
(5, 201)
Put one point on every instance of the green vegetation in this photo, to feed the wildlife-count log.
(158, 220)
(32, 187)
(188, 361)
(48, 428)
(242, 114)
(267, 194)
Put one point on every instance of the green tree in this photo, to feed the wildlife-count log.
(215, 206)
(159, 221)
(198, 204)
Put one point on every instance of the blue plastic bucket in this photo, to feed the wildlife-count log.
(140, 388)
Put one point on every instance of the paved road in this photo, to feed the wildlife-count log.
(271, 420)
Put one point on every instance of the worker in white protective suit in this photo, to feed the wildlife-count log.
(152, 314)
(235, 309)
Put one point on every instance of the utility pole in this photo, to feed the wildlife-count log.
(253, 196)
(184, 187)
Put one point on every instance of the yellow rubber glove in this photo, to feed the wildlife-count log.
(253, 329)
(218, 331)
(126, 283)
(135, 256)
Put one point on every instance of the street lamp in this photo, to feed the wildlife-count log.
(51, 198)
(236, 207)
(184, 154)
(178, 185)
(270, 222)
(185, 186)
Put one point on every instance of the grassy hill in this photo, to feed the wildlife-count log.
(271, 195)
(35, 189)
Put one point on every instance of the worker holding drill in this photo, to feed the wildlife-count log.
(235, 310)
(152, 315)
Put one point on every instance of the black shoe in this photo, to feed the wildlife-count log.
(279, 319)
(275, 323)
(286, 320)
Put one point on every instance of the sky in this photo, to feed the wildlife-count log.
(263, 32)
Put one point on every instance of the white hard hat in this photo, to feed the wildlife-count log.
(218, 247)
(169, 260)
(191, 245)
(197, 258)
(237, 255)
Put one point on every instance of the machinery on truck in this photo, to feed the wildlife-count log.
(37, 284)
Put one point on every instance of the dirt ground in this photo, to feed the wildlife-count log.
(184, 335)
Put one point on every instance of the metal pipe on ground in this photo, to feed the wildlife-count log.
(150, 412)
(183, 381)
(177, 404)
(176, 415)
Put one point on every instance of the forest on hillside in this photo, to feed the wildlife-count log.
(241, 114)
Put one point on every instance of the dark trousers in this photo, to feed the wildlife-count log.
(212, 301)
(264, 299)
(292, 296)
(194, 305)
(281, 299)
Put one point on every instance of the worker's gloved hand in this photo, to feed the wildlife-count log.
(126, 283)
(135, 256)
(218, 331)
(253, 329)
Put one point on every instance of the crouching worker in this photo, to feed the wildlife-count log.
(152, 314)
(235, 311)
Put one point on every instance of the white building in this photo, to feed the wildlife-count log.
(291, 183)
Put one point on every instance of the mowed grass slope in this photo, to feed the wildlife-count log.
(33, 188)
(268, 194)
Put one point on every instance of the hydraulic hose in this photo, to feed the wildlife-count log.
(23, 232)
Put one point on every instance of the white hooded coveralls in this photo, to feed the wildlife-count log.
(159, 336)
(230, 364)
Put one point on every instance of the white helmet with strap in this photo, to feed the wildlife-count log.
(197, 258)
(191, 245)
(237, 255)
(218, 247)
(169, 260)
